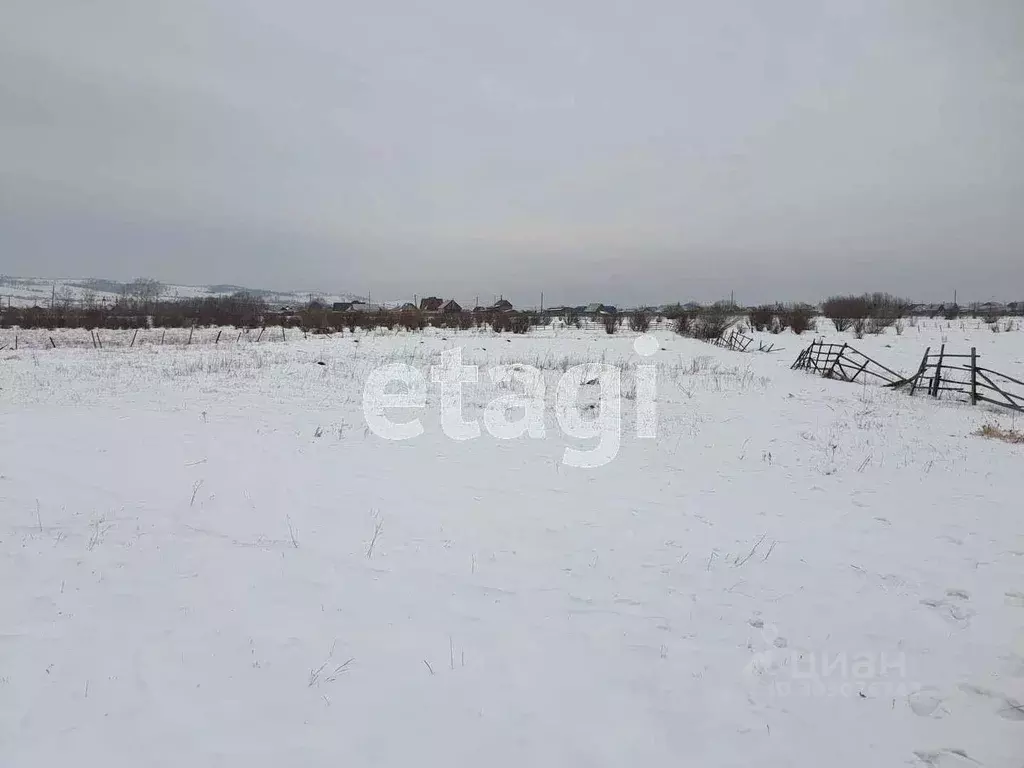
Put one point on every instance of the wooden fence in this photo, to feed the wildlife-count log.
(843, 362)
(740, 342)
(944, 372)
(940, 372)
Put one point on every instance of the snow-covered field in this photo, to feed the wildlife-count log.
(207, 557)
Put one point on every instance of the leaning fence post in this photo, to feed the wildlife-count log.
(217, 340)
(133, 338)
(937, 381)
(282, 334)
(921, 370)
(974, 376)
(190, 332)
(53, 343)
(261, 333)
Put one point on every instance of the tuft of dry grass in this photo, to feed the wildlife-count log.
(996, 432)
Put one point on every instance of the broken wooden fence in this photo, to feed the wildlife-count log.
(739, 342)
(940, 372)
(733, 340)
(943, 372)
(843, 362)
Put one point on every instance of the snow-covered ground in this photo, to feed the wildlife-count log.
(207, 557)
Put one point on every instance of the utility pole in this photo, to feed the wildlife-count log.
(542, 301)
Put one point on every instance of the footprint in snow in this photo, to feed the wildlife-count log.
(951, 612)
(945, 758)
(893, 580)
(959, 594)
(627, 601)
(1015, 599)
(1006, 707)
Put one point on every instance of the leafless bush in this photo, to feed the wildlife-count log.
(144, 289)
(874, 326)
(611, 324)
(683, 323)
(520, 323)
(639, 321)
(844, 311)
(882, 308)
(412, 321)
(886, 309)
(877, 325)
(898, 327)
(859, 327)
(712, 322)
(801, 318)
(761, 317)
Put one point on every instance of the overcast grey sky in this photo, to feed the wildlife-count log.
(624, 150)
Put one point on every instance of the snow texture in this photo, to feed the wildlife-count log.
(207, 558)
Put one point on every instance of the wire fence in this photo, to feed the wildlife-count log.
(79, 338)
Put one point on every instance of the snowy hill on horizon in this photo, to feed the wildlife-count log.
(31, 291)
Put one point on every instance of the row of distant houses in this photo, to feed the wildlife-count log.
(450, 306)
(440, 306)
(431, 304)
(985, 308)
(437, 305)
